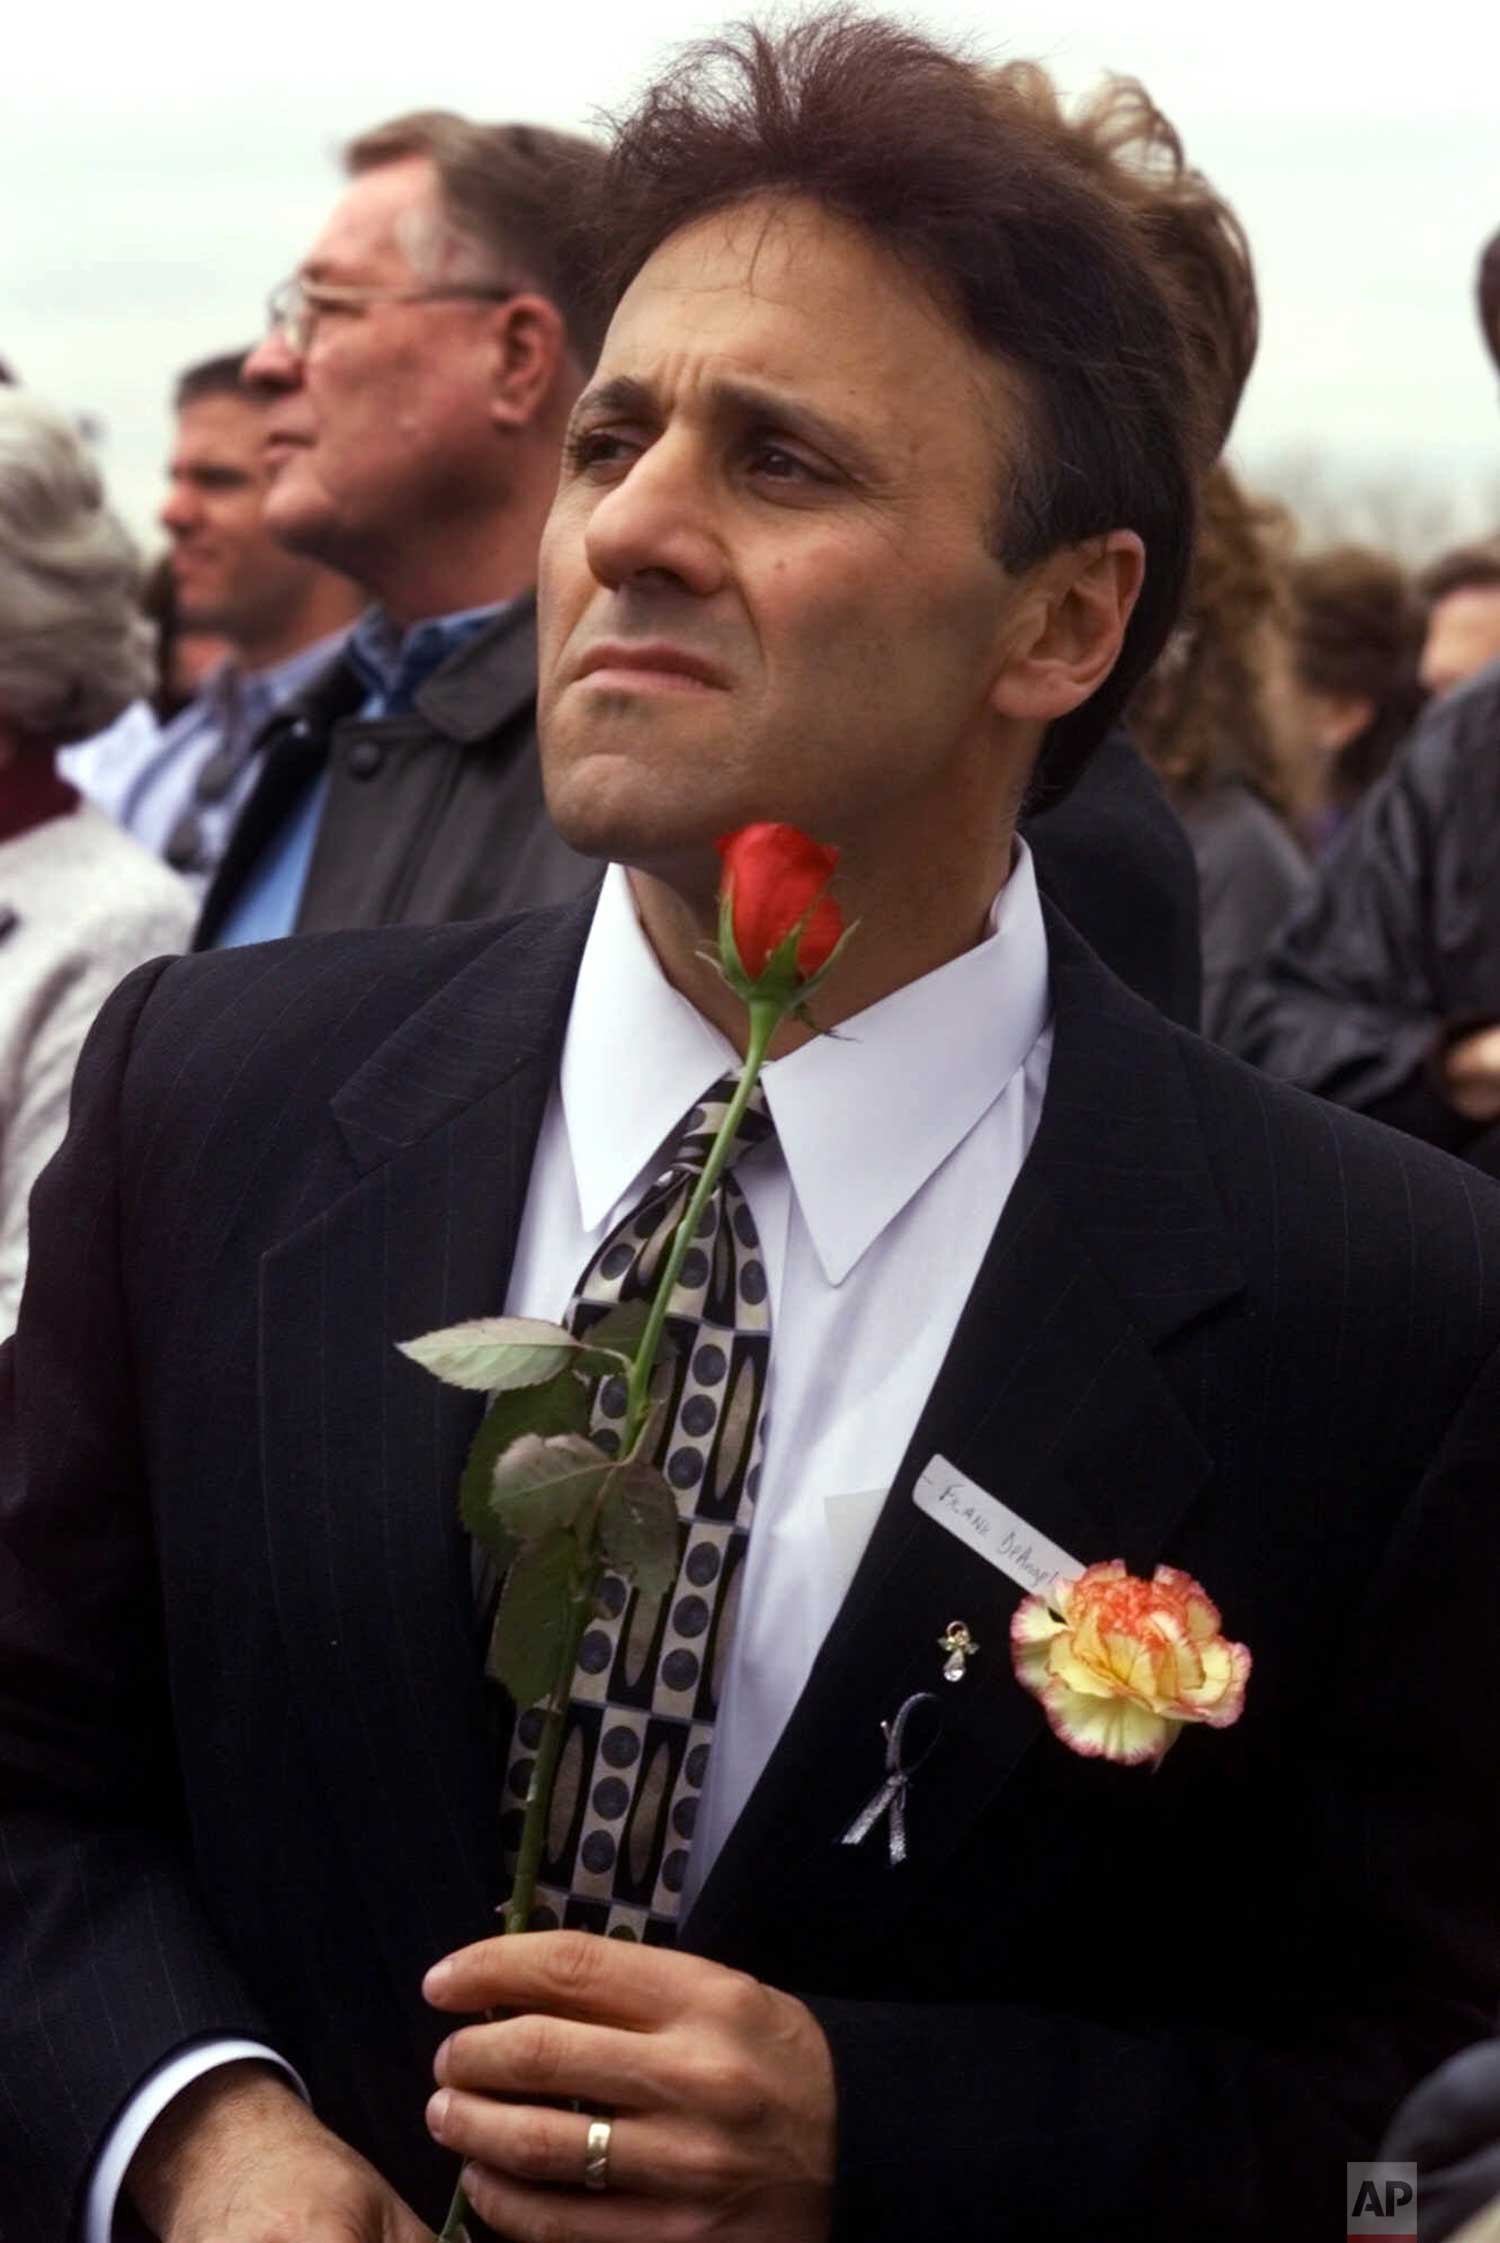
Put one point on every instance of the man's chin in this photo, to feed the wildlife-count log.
(620, 802)
(205, 615)
(671, 841)
(300, 517)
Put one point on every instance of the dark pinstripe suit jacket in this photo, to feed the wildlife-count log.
(249, 1769)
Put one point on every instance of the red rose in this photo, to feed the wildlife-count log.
(774, 878)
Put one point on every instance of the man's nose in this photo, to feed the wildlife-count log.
(660, 520)
(179, 510)
(272, 368)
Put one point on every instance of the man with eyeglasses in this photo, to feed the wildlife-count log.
(417, 373)
(282, 618)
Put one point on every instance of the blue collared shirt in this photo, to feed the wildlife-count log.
(392, 665)
(148, 781)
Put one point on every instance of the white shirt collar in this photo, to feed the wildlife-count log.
(863, 1118)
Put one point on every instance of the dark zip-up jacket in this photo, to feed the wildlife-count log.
(1396, 953)
(431, 815)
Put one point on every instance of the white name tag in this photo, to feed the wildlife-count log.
(991, 1528)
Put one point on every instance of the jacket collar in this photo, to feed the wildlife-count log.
(477, 691)
(488, 680)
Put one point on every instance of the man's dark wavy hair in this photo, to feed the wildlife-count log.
(985, 200)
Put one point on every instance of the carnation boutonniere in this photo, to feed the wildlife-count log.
(551, 1508)
(1122, 1666)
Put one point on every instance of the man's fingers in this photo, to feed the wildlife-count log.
(570, 1974)
(531, 2143)
(531, 2056)
(524, 2213)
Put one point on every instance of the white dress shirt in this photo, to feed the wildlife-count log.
(897, 1143)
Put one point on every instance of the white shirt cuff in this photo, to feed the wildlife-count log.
(146, 2105)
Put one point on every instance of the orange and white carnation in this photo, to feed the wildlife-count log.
(1121, 1666)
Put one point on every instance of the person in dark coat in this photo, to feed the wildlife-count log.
(1383, 992)
(418, 371)
(1449, 2127)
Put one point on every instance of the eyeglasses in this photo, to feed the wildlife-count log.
(294, 309)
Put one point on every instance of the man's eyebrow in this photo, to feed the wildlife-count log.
(747, 400)
(326, 271)
(622, 394)
(204, 471)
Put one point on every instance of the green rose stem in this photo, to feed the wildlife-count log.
(766, 1016)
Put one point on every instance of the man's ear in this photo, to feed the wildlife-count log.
(530, 343)
(1338, 718)
(1066, 635)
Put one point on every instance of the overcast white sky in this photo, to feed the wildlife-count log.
(162, 164)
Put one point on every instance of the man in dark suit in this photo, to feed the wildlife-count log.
(1020, 1238)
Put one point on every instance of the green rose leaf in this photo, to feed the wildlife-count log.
(492, 1354)
(638, 1527)
(561, 1406)
(531, 1625)
(541, 1484)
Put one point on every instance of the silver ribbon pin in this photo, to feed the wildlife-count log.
(891, 1797)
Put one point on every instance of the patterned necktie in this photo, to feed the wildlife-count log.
(634, 1756)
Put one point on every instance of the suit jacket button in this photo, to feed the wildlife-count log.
(366, 758)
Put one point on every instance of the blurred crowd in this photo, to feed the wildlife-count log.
(316, 709)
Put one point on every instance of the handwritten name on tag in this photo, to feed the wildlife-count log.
(991, 1528)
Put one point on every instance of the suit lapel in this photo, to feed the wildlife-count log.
(362, 1451)
(1052, 1398)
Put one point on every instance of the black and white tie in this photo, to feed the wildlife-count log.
(639, 1727)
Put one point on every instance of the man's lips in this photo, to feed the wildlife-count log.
(279, 442)
(649, 664)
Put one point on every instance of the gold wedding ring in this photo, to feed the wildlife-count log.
(596, 2154)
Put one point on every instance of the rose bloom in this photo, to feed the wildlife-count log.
(1122, 1665)
(775, 877)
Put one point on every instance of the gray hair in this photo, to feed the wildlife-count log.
(507, 194)
(75, 647)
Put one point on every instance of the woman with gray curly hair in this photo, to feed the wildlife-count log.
(80, 901)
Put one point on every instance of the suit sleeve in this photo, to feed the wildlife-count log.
(107, 1963)
(1042, 2125)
